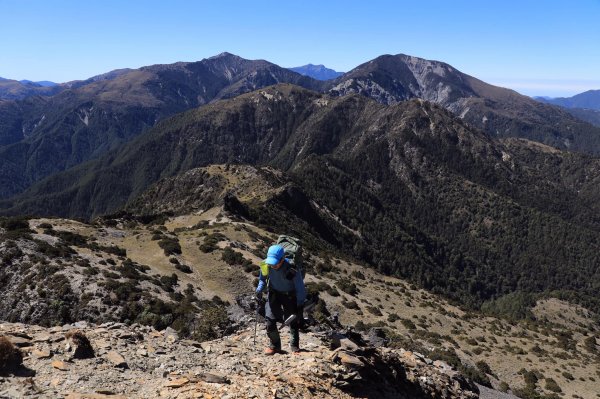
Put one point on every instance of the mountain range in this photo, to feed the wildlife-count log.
(319, 72)
(585, 106)
(45, 135)
(588, 100)
(16, 90)
(407, 188)
(396, 143)
(40, 136)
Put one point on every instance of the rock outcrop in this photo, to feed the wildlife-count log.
(140, 362)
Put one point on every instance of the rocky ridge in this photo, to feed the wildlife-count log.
(498, 111)
(139, 362)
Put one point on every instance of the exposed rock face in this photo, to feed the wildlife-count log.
(163, 366)
(500, 112)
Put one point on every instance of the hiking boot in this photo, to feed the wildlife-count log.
(295, 350)
(272, 351)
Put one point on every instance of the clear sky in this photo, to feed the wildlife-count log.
(544, 47)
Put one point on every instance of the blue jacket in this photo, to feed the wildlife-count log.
(278, 282)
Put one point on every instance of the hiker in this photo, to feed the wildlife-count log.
(285, 296)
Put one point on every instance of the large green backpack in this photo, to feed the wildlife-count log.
(293, 252)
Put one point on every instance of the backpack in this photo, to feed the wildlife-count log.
(293, 252)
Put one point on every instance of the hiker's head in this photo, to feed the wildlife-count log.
(275, 256)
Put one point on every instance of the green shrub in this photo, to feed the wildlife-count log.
(529, 377)
(14, 223)
(232, 257)
(357, 274)
(211, 241)
(347, 286)
(59, 250)
(183, 268)
(168, 282)
(513, 306)
(108, 274)
(590, 344)
(128, 270)
(71, 238)
(483, 367)
(449, 356)
(350, 305)
(568, 376)
(408, 324)
(170, 246)
(250, 267)
(565, 340)
(212, 320)
(551, 385)
(360, 326)
(475, 375)
(374, 310)
(15, 228)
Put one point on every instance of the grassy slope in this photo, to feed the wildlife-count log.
(505, 347)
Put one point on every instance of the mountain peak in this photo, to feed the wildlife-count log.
(224, 54)
(320, 71)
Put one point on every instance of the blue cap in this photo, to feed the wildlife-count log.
(275, 254)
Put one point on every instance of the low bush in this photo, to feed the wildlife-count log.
(408, 324)
(357, 274)
(211, 241)
(183, 268)
(449, 356)
(392, 317)
(170, 246)
(169, 281)
(374, 310)
(232, 257)
(347, 286)
(350, 305)
(552, 386)
(11, 357)
(568, 376)
(484, 367)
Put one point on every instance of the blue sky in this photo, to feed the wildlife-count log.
(536, 47)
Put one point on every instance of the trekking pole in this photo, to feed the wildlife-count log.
(255, 323)
(258, 303)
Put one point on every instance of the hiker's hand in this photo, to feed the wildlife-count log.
(258, 297)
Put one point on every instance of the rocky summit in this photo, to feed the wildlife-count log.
(139, 362)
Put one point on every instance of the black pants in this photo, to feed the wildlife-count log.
(280, 306)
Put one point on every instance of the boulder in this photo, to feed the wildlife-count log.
(117, 359)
